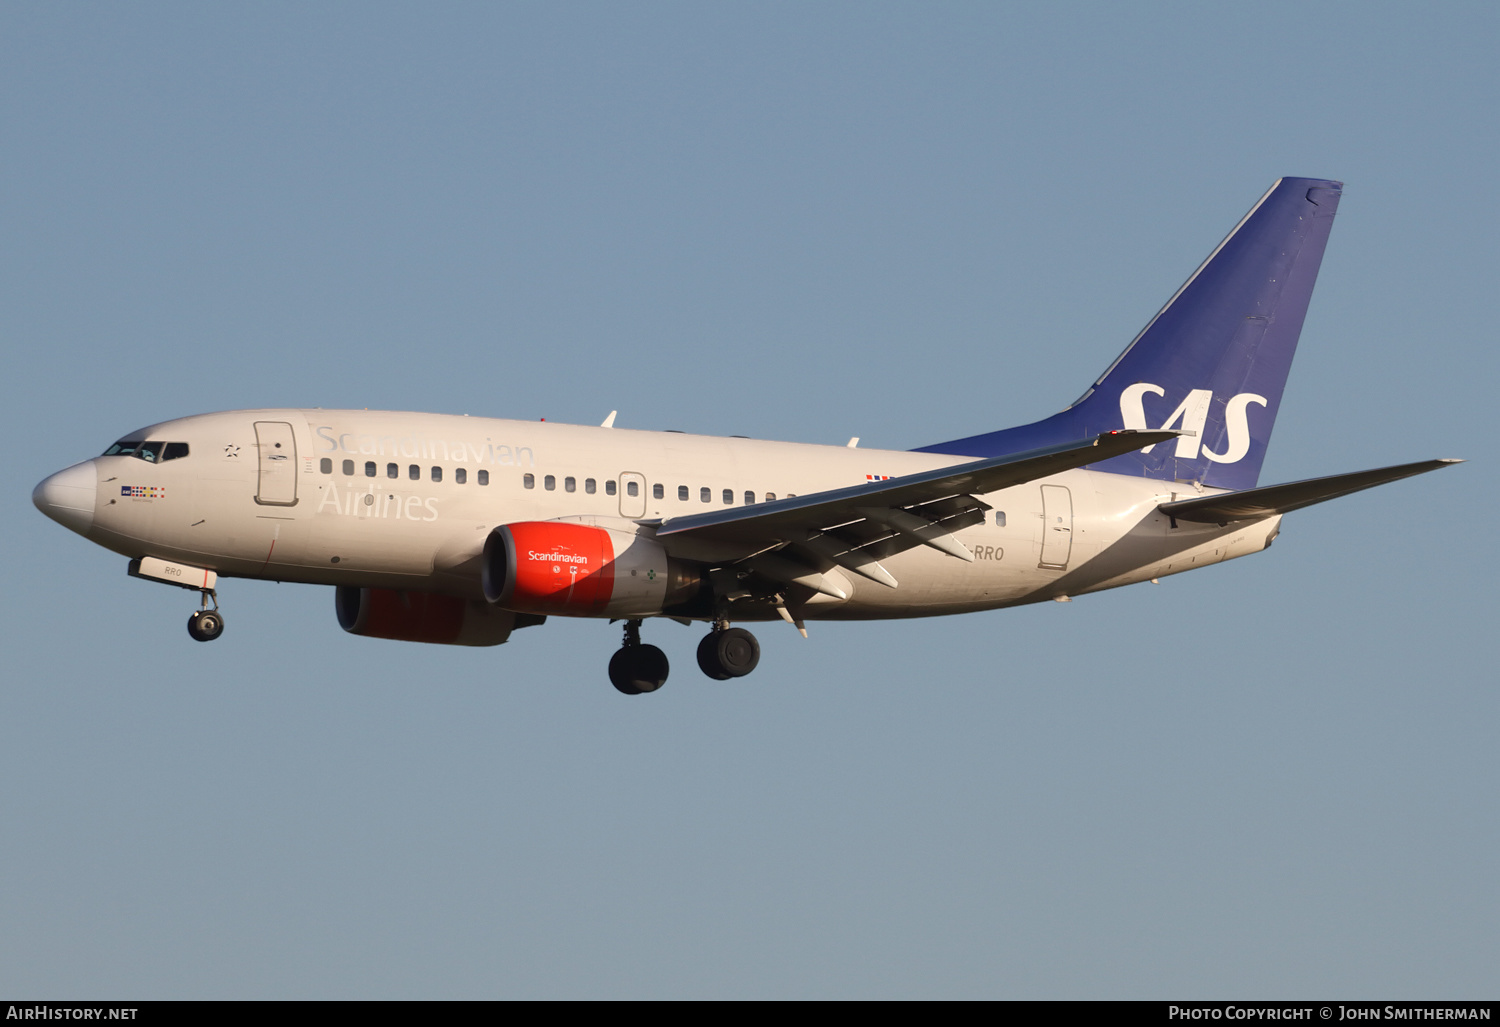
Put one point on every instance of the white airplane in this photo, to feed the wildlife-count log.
(459, 530)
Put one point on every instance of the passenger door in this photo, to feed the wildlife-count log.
(1057, 526)
(276, 449)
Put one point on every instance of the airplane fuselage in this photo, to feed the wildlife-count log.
(406, 500)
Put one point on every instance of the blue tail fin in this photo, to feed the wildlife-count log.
(1213, 361)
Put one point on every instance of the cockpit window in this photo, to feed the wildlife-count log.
(151, 452)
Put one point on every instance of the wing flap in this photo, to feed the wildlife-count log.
(1252, 504)
(835, 548)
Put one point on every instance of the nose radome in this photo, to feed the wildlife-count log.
(68, 496)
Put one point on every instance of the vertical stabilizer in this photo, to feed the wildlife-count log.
(1213, 361)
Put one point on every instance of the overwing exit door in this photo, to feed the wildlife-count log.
(632, 494)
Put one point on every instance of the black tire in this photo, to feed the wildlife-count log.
(739, 652)
(637, 669)
(731, 653)
(708, 657)
(620, 674)
(205, 625)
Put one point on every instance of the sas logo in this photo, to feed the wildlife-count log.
(143, 491)
(1190, 417)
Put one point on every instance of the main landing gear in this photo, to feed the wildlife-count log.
(636, 668)
(728, 652)
(724, 653)
(206, 625)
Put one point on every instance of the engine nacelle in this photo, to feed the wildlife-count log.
(423, 617)
(582, 570)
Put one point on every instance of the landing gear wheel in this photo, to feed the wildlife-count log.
(708, 657)
(731, 653)
(206, 625)
(636, 669)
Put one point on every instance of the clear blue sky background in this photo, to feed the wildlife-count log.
(1276, 777)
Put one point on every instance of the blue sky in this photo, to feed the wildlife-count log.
(904, 222)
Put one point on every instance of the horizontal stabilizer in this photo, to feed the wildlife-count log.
(1279, 499)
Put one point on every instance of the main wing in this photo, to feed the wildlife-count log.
(795, 540)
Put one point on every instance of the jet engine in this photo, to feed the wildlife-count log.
(583, 570)
(424, 617)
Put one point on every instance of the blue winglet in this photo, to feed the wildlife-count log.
(1213, 361)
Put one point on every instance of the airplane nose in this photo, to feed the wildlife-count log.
(68, 496)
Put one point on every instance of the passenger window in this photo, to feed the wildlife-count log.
(326, 465)
(392, 471)
(658, 491)
(729, 497)
(609, 487)
(528, 481)
(705, 493)
(770, 497)
(550, 483)
(749, 498)
(484, 477)
(999, 518)
(570, 484)
(437, 474)
(632, 489)
(460, 476)
(590, 486)
(175, 451)
(369, 468)
(348, 468)
(682, 493)
(414, 472)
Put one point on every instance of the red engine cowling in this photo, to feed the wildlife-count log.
(421, 617)
(581, 570)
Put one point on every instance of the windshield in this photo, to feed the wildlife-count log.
(151, 452)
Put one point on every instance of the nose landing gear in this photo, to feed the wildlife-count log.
(637, 668)
(728, 653)
(206, 625)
